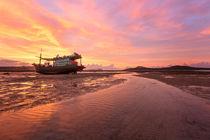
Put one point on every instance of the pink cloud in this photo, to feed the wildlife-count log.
(101, 67)
(206, 31)
(118, 32)
(201, 64)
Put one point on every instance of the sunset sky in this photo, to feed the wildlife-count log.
(120, 32)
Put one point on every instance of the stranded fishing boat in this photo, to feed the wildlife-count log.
(61, 65)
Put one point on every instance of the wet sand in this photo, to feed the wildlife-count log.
(139, 108)
(24, 90)
(193, 82)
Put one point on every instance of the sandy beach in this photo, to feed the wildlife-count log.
(138, 108)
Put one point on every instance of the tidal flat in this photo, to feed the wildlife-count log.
(194, 82)
(136, 109)
(21, 90)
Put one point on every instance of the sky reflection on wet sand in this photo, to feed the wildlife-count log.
(19, 91)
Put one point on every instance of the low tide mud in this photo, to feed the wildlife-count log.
(24, 90)
(194, 82)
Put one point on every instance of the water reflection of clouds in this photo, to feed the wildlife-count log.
(28, 121)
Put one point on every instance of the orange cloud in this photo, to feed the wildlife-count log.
(206, 32)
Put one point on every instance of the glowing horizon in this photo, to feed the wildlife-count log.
(122, 32)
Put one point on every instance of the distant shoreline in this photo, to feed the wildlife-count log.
(137, 69)
(165, 69)
(17, 69)
(31, 69)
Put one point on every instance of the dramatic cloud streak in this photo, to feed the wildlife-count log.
(119, 32)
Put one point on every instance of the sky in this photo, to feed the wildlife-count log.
(115, 33)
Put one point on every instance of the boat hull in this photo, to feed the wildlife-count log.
(59, 69)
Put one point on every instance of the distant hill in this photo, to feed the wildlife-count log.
(172, 68)
(181, 68)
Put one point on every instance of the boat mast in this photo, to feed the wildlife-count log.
(40, 58)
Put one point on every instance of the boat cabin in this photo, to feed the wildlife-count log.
(61, 61)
